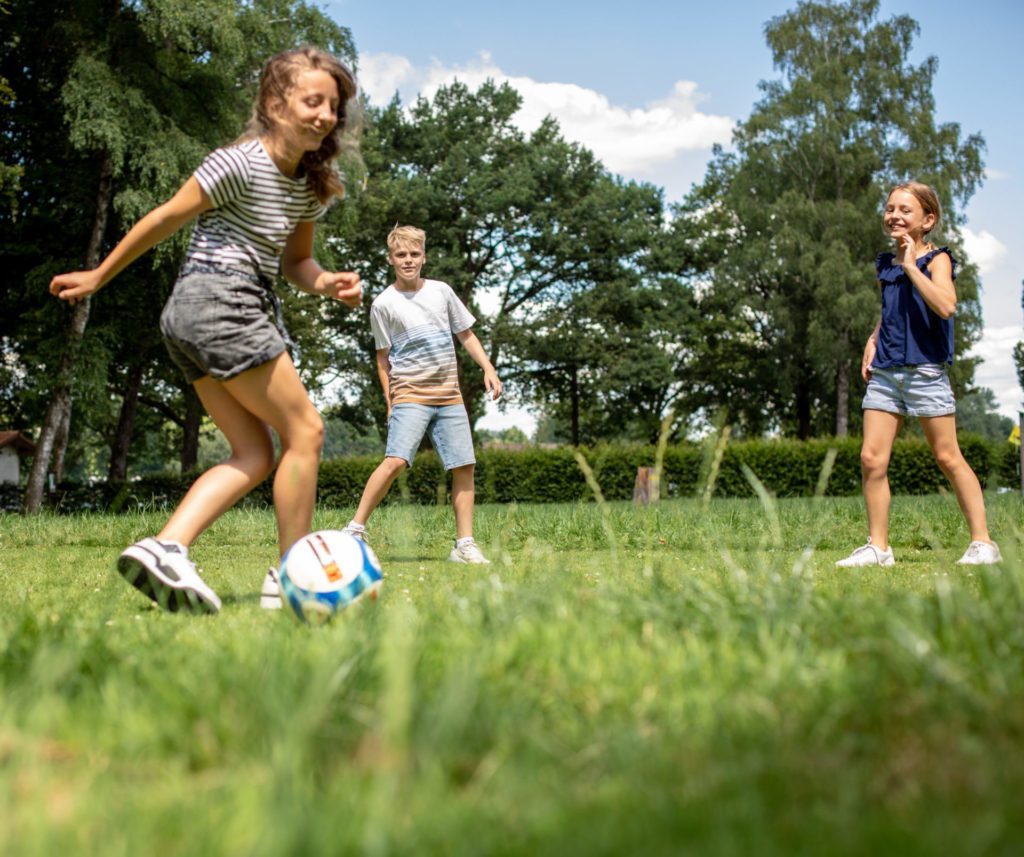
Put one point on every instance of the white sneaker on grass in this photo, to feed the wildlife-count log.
(353, 529)
(981, 553)
(468, 552)
(868, 554)
(163, 573)
(270, 594)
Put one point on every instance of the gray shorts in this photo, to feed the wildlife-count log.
(911, 391)
(216, 323)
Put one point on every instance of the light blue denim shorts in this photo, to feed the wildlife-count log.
(911, 391)
(449, 431)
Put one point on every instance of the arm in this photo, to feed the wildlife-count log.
(163, 221)
(938, 291)
(870, 347)
(383, 372)
(475, 350)
(300, 269)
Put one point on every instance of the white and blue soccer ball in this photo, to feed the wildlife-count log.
(325, 572)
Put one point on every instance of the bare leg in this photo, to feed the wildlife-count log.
(880, 430)
(941, 435)
(463, 497)
(274, 393)
(220, 487)
(377, 487)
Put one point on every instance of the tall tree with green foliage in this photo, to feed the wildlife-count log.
(116, 104)
(514, 222)
(792, 215)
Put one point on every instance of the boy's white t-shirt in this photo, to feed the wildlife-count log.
(417, 327)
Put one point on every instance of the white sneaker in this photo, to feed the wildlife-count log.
(867, 555)
(352, 531)
(469, 553)
(981, 553)
(163, 572)
(270, 594)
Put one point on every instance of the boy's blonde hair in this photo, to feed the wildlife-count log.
(406, 235)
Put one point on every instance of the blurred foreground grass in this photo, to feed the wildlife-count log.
(620, 680)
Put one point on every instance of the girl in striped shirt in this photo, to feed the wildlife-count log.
(257, 202)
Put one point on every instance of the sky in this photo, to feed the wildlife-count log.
(651, 85)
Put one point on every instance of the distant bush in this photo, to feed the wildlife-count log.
(787, 468)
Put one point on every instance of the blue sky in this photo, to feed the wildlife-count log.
(650, 85)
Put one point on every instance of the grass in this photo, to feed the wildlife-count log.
(685, 678)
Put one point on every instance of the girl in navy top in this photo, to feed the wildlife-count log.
(257, 202)
(905, 364)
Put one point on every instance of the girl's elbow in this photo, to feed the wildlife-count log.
(949, 310)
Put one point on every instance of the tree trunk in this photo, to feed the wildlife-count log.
(843, 399)
(59, 410)
(190, 430)
(574, 414)
(118, 471)
(60, 447)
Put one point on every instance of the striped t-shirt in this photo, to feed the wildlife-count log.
(256, 208)
(417, 327)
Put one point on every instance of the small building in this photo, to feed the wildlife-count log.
(13, 447)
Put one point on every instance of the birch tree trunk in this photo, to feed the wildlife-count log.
(59, 411)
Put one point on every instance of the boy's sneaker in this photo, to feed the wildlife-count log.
(358, 532)
(163, 572)
(270, 594)
(981, 553)
(868, 555)
(469, 553)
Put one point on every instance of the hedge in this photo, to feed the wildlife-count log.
(788, 468)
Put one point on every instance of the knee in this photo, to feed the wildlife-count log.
(309, 433)
(874, 462)
(950, 460)
(256, 459)
(392, 466)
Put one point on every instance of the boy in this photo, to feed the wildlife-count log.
(413, 320)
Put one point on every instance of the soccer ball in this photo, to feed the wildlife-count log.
(325, 572)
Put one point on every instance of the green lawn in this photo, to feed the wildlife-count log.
(683, 679)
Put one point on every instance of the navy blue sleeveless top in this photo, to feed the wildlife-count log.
(911, 332)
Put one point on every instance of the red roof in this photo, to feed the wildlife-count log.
(22, 445)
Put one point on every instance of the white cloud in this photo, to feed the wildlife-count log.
(996, 175)
(629, 140)
(984, 249)
(997, 371)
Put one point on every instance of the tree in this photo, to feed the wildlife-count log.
(1018, 349)
(792, 215)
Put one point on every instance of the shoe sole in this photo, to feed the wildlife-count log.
(134, 566)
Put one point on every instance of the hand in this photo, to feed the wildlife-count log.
(869, 356)
(341, 285)
(908, 251)
(493, 385)
(76, 286)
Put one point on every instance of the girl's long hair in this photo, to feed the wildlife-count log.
(276, 80)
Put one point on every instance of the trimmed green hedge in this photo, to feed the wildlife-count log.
(788, 468)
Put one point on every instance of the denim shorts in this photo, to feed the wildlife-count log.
(449, 431)
(911, 391)
(217, 323)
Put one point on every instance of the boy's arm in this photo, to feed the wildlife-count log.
(383, 369)
(492, 383)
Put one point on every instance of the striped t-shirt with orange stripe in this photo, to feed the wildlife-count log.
(417, 327)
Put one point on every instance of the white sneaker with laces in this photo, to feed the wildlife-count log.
(868, 554)
(981, 553)
(163, 573)
(360, 534)
(469, 553)
(270, 594)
